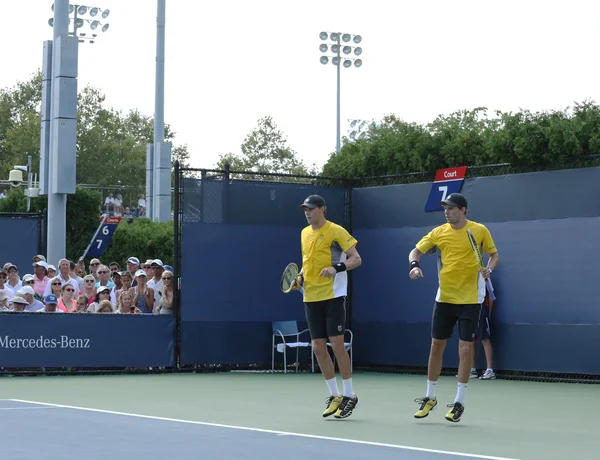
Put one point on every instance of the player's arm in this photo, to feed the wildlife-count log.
(422, 247)
(489, 247)
(353, 259)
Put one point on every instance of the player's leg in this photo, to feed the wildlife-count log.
(442, 324)
(468, 323)
(484, 330)
(315, 317)
(335, 313)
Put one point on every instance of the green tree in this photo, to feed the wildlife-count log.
(265, 150)
(83, 215)
(111, 145)
(526, 140)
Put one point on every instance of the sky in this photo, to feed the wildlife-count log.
(230, 63)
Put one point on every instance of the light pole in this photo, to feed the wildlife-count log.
(335, 46)
(58, 136)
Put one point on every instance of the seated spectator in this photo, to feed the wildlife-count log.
(102, 293)
(166, 295)
(33, 304)
(64, 274)
(75, 276)
(55, 286)
(109, 203)
(51, 271)
(125, 283)
(4, 306)
(82, 304)
(13, 281)
(40, 280)
(103, 279)
(94, 264)
(89, 288)
(66, 302)
(143, 296)
(114, 267)
(116, 278)
(18, 303)
(126, 305)
(3, 286)
(105, 307)
(50, 304)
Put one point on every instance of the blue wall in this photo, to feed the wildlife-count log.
(23, 236)
(546, 228)
(237, 239)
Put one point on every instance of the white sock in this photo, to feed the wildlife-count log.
(333, 388)
(348, 388)
(489, 369)
(431, 389)
(460, 393)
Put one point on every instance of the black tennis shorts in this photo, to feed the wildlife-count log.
(326, 318)
(446, 315)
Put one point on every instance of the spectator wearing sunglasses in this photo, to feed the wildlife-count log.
(67, 303)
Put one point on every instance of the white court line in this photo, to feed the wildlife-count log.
(260, 430)
(26, 408)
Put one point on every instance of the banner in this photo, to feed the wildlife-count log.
(446, 181)
(101, 237)
(86, 340)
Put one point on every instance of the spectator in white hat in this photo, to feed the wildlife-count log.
(156, 282)
(3, 286)
(51, 271)
(13, 282)
(4, 300)
(27, 293)
(133, 265)
(143, 296)
(18, 303)
(41, 277)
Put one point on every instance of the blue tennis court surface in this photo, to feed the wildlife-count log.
(39, 430)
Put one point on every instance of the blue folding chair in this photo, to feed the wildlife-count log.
(288, 329)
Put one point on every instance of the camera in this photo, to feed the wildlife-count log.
(15, 177)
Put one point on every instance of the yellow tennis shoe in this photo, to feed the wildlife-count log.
(426, 406)
(333, 403)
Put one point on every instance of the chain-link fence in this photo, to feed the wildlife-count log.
(500, 169)
(205, 190)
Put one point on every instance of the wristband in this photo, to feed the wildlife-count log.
(414, 264)
(341, 267)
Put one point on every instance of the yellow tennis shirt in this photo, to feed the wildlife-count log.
(324, 248)
(458, 269)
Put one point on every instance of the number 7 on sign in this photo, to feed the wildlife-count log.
(444, 190)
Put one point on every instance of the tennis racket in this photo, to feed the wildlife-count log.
(288, 278)
(475, 248)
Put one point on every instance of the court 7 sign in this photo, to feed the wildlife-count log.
(446, 181)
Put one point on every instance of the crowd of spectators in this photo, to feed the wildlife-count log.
(145, 289)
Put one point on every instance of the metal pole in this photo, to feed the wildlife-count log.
(29, 185)
(57, 202)
(159, 105)
(339, 66)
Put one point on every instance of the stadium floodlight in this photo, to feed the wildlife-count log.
(337, 60)
(359, 129)
(79, 23)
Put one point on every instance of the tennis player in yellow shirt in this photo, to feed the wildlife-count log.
(459, 297)
(328, 252)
